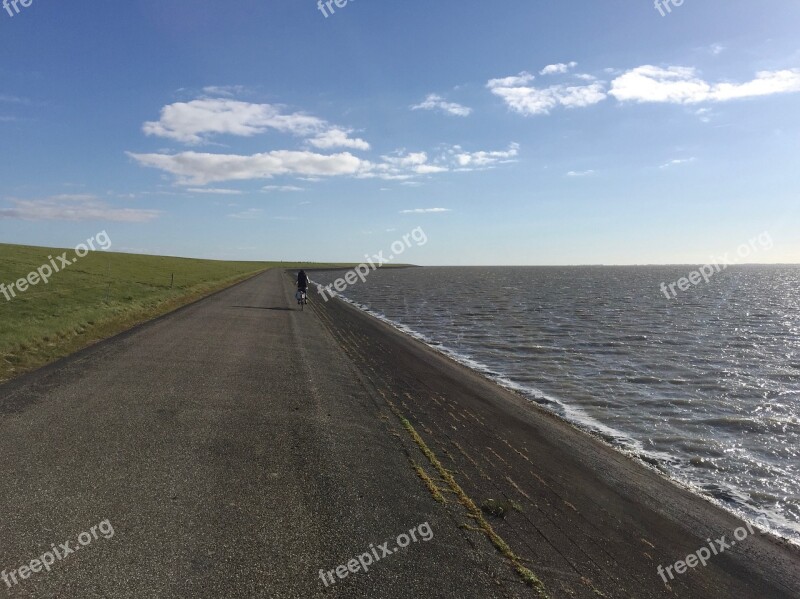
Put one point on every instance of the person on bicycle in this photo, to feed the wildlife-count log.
(302, 281)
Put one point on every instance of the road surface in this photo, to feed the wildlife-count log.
(241, 448)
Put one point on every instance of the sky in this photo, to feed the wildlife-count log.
(555, 133)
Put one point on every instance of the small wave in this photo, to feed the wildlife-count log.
(707, 463)
(644, 380)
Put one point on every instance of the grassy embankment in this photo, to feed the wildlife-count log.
(97, 297)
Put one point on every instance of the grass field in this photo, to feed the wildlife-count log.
(97, 296)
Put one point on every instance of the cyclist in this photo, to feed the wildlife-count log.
(302, 285)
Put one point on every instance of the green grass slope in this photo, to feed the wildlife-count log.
(98, 296)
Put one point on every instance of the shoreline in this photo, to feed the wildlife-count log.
(644, 519)
(613, 438)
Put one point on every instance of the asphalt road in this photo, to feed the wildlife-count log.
(235, 451)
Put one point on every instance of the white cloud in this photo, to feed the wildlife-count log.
(402, 166)
(528, 100)
(338, 138)
(553, 69)
(580, 173)
(514, 81)
(647, 83)
(212, 190)
(682, 85)
(704, 114)
(579, 96)
(74, 208)
(406, 160)
(676, 162)
(291, 188)
(429, 169)
(199, 120)
(483, 158)
(194, 122)
(434, 102)
(425, 210)
(250, 214)
(194, 168)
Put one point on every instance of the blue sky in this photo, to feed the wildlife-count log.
(535, 133)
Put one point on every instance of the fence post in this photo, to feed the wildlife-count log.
(108, 289)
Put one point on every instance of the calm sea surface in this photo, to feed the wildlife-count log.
(705, 387)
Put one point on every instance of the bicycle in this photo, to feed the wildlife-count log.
(302, 298)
